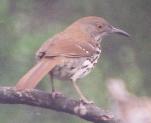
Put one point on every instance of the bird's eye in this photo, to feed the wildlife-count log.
(99, 26)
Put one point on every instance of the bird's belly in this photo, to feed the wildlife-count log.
(75, 68)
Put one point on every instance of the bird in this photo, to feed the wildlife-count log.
(71, 54)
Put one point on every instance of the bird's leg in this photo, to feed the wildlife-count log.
(52, 82)
(54, 93)
(83, 98)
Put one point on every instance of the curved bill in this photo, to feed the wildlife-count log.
(119, 31)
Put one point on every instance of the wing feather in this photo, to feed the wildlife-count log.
(66, 47)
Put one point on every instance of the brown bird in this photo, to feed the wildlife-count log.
(71, 54)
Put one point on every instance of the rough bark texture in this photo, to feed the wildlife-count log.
(56, 102)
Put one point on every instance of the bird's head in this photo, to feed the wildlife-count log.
(99, 27)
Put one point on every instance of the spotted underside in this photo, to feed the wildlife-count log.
(76, 68)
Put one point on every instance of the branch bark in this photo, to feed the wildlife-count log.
(59, 102)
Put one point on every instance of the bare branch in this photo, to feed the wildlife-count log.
(59, 103)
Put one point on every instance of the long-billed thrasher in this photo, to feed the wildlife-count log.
(70, 54)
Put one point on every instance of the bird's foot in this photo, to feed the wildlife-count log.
(54, 94)
(85, 101)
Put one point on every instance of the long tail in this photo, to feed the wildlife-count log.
(32, 78)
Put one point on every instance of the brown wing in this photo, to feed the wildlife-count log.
(66, 47)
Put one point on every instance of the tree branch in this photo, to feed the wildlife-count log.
(58, 102)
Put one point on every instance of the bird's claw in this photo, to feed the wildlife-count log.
(54, 94)
(84, 101)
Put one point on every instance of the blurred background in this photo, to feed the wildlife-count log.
(26, 24)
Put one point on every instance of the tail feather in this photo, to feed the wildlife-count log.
(32, 78)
